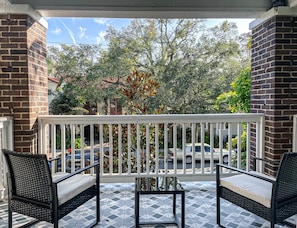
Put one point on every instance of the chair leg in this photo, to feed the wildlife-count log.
(272, 217)
(218, 211)
(98, 208)
(218, 190)
(56, 222)
(9, 218)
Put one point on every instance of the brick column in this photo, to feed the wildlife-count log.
(23, 76)
(274, 82)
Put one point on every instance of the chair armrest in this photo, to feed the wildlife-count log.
(53, 159)
(243, 172)
(77, 172)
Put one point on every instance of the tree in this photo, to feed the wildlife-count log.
(77, 67)
(238, 99)
(139, 91)
(66, 101)
(192, 64)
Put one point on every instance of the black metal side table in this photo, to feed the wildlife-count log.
(157, 186)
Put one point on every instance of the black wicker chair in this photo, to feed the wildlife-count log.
(274, 199)
(34, 192)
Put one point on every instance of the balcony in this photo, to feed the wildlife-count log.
(117, 209)
(130, 140)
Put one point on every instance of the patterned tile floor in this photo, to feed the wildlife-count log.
(117, 210)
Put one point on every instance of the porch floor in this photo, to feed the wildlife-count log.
(117, 210)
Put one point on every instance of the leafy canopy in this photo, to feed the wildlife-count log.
(238, 99)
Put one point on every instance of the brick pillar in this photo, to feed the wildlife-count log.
(274, 82)
(23, 77)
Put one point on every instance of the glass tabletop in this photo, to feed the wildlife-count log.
(144, 184)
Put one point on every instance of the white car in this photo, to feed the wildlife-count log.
(207, 153)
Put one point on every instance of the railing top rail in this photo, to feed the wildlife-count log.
(5, 121)
(164, 118)
(5, 118)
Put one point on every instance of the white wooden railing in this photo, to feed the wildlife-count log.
(121, 139)
(6, 142)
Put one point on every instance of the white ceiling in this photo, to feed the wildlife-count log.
(151, 8)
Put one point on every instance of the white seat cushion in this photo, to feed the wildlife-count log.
(72, 186)
(250, 187)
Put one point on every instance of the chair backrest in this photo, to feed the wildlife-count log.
(30, 176)
(286, 186)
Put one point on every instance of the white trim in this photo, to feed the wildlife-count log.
(24, 9)
(292, 3)
(278, 11)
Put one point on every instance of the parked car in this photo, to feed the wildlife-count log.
(77, 158)
(207, 153)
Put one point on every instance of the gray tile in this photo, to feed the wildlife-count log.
(117, 210)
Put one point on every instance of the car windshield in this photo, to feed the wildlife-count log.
(189, 148)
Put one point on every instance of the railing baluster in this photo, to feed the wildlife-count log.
(101, 152)
(184, 141)
(202, 131)
(165, 159)
(147, 149)
(248, 148)
(110, 149)
(138, 150)
(129, 149)
(63, 145)
(157, 161)
(120, 152)
(230, 129)
(92, 152)
(211, 136)
(72, 149)
(174, 147)
(193, 135)
(239, 165)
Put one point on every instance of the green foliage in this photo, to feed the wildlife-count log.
(193, 65)
(77, 143)
(207, 139)
(77, 67)
(242, 141)
(66, 101)
(242, 163)
(242, 150)
(237, 100)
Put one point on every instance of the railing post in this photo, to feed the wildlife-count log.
(260, 137)
(6, 142)
(294, 141)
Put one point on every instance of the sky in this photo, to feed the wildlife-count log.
(92, 30)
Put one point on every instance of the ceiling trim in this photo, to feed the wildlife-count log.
(149, 8)
(23, 9)
(278, 11)
(293, 3)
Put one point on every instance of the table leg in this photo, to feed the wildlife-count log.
(183, 209)
(137, 195)
(174, 204)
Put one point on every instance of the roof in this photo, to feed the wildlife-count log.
(55, 80)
